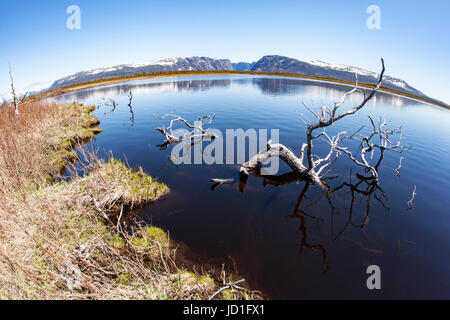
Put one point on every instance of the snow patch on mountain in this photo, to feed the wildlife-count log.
(173, 64)
(342, 67)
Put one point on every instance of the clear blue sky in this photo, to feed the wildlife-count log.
(414, 36)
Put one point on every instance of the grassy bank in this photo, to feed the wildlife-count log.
(83, 85)
(63, 239)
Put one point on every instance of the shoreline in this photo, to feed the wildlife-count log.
(99, 82)
(63, 238)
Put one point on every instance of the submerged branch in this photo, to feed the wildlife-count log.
(197, 132)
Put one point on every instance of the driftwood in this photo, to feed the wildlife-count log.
(312, 170)
(197, 133)
(219, 182)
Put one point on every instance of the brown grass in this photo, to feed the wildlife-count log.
(63, 239)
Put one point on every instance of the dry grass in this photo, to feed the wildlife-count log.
(37, 144)
(63, 239)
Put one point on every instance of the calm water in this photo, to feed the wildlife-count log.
(320, 250)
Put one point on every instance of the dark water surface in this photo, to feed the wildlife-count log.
(320, 250)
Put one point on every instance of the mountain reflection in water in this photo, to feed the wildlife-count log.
(285, 237)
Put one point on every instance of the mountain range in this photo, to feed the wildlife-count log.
(176, 64)
(270, 63)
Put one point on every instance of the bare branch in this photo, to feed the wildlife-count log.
(333, 117)
(344, 97)
(410, 202)
(230, 285)
(13, 92)
(23, 97)
(218, 182)
(192, 135)
(397, 171)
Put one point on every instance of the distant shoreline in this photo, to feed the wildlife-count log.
(59, 91)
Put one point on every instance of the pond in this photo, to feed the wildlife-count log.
(321, 247)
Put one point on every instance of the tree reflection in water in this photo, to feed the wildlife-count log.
(368, 190)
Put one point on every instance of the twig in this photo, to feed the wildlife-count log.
(13, 92)
(397, 171)
(230, 285)
(97, 207)
(118, 220)
(410, 202)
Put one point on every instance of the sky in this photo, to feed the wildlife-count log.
(413, 39)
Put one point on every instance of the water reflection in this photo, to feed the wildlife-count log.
(366, 190)
(130, 99)
(283, 234)
(272, 86)
(318, 90)
(145, 88)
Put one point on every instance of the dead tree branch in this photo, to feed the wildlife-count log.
(198, 131)
(23, 97)
(367, 146)
(13, 92)
(312, 170)
(230, 285)
(397, 171)
(410, 202)
(218, 182)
